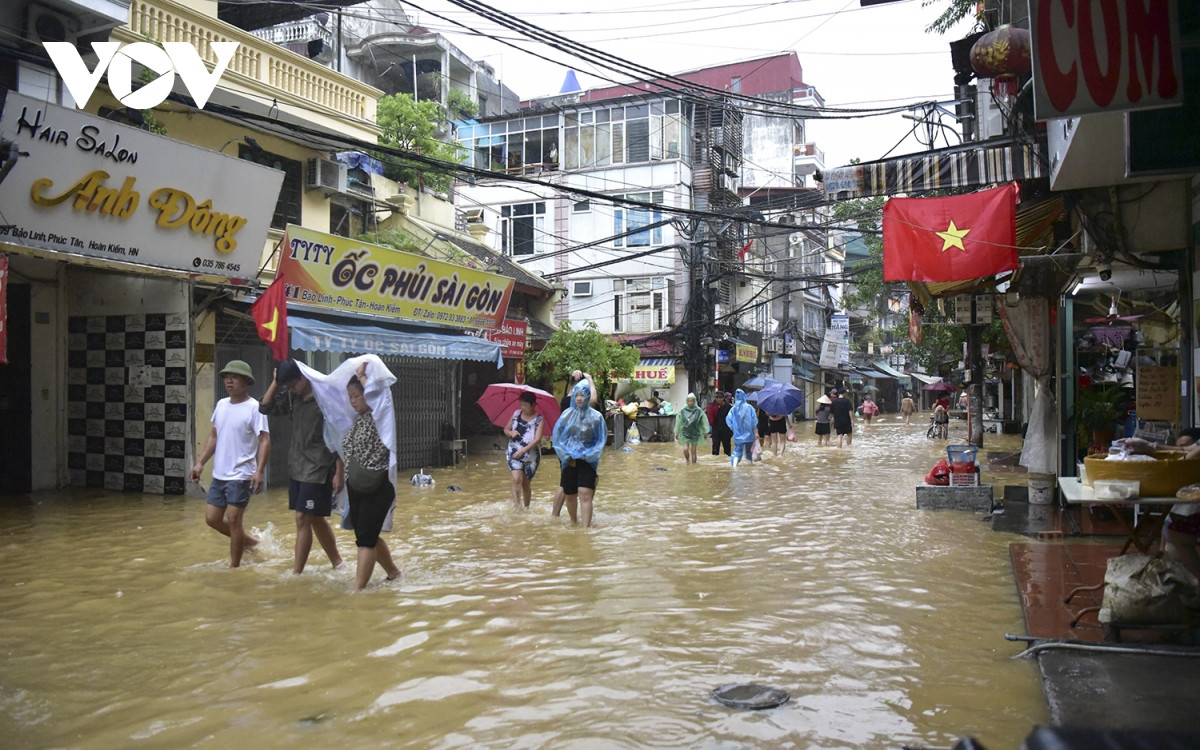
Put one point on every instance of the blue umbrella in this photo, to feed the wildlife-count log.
(759, 382)
(780, 398)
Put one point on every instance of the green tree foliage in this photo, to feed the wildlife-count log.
(460, 105)
(585, 349)
(941, 340)
(957, 11)
(415, 126)
(868, 293)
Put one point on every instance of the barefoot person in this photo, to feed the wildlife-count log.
(371, 492)
(316, 473)
(579, 437)
(524, 448)
(691, 425)
(239, 445)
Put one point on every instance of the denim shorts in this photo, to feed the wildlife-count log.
(235, 492)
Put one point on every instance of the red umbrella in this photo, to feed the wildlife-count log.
(500, 400)
(941, 385)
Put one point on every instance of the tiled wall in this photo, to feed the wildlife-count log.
(127, 402)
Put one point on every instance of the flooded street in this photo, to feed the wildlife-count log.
(811, 571)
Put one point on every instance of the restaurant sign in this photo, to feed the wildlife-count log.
(87, 186)
(1104, 56)
(652, 375)
(349, 276)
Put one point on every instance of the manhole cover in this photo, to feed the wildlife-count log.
(750, 696)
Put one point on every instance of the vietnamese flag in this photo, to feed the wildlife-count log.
(270, 318)
(745, 249)
(950, 239)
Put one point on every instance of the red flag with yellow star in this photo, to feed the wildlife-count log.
(270, 318)
(950, 239)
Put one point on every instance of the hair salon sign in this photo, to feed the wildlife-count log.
(84, 185)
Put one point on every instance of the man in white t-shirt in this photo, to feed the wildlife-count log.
(239, 444)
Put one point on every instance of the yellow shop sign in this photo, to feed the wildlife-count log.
(339, 273)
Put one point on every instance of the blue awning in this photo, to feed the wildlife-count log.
(311, 334)
(891, 371)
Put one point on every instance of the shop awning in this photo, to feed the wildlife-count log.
(311, 334)
(891, 371)
(875, 374)
(926, 379)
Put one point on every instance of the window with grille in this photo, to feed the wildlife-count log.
(287, 208)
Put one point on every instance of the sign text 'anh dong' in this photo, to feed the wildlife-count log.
(89, 186)
(93, 192)
(324, 270)
(167, 61)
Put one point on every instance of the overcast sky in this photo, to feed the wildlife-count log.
(879, 56)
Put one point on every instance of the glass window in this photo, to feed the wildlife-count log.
(637, 111)
(523, 228)
(602, 115)
(571, 155)
(604, 147)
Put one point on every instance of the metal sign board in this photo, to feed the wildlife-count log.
(1104, 56)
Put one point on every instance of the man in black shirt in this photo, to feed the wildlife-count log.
(843, 418)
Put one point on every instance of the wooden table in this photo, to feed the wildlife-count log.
(1144, 532)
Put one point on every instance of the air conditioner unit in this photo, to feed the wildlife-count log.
(326, 175)
(45, 25)
(769, 267)
(771, 345)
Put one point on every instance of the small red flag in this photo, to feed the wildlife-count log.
(270, 318)
(745, 249)
(950, 239)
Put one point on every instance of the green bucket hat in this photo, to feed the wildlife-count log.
(238, 367)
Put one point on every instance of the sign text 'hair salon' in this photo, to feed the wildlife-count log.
(90, 186)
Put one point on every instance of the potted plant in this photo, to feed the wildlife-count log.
(1098, 410)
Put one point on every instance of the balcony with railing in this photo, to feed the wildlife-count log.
(807, 159)
(299, 36)
(269, 73)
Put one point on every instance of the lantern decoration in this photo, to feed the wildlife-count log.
(1003, 55)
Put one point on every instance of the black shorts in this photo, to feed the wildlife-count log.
(822, 428)
(310, 497)
(581, 474)
(776, 426)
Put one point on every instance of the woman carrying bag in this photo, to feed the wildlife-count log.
(371, 493)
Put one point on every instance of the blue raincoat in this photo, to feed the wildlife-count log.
(580, 432)
(742, 418)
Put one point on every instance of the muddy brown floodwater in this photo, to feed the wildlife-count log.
(811, 571)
